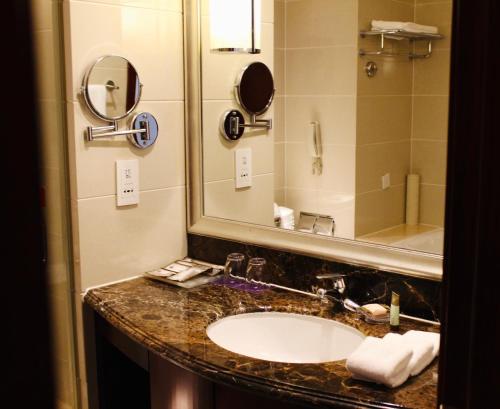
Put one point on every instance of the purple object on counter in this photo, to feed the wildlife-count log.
(240, 285)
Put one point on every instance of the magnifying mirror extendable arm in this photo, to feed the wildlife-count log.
(255, 93)
(232, 124)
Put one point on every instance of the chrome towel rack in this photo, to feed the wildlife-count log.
(399, 35)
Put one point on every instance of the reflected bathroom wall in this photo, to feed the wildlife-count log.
(343, 143)
(315, 69)
(220, 72)
(392, 124)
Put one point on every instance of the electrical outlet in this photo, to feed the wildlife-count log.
(127, 182)
(243, 167)
(386, 181)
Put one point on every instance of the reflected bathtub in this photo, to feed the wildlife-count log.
(429, 242)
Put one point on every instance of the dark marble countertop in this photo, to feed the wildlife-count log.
(172, 323)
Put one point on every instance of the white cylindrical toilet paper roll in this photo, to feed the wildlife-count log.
(412, 199)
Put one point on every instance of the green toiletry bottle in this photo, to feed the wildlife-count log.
(394, 319)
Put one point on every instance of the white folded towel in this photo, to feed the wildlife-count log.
(432, 337)
(422, 350)
(378, 360)
(403, 26)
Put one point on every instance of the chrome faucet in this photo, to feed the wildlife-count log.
(339, 288)
(338, 284)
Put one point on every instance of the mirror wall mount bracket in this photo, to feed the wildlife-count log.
(232, 124)
(143, 132)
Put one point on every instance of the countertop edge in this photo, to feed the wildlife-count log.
(217, 374)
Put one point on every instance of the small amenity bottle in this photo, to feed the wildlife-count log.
(394, 319)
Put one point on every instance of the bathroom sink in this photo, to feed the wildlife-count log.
(285, 337)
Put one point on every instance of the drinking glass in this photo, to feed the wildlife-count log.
(234, 265)
(255, 269)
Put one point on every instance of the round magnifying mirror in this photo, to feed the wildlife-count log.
(255, 88)
(112, 88)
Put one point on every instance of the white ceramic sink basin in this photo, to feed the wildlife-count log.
(284, 337)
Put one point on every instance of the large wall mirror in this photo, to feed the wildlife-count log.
(357, 151)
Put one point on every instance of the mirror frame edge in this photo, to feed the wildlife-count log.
(364, 254)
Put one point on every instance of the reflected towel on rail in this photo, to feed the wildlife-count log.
(409, 27)
(97, 95)
(380, 361)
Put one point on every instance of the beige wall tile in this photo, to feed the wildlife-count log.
(339, 172)
(279, 24)
(380, 209)
(314, 23)
(429, 161)
(251, 205)
(279, 165)
(172, 5)
(338, 168)
(279, 118)
(321, 71)
(218, 152)
(267, 10)
(279, 196)
(150, 39)
(305, 200)
(279, 71)
(437, 14)
(335, 114)
(394, 76)
(116, 243)
(374, 161)
(220, 70)
(160, 166)
(432, 204)
(383, 119)
(344, 223)
(383, 10)
(432, 75)
(432, 1)
(430, 117)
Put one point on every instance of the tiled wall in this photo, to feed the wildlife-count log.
(219, 71)
(317, 52)
(384, 117)
(50, 102)
(402, 120)
(109, 242)
(430, 112)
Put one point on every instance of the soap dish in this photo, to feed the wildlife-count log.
(374, 313)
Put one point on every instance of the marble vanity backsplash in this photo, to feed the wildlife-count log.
(419, 297)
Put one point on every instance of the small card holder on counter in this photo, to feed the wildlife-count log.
(186, 273)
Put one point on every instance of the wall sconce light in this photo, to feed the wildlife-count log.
(235, 26)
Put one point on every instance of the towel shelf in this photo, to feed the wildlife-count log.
(399, 35)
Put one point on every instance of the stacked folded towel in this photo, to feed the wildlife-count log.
(378, 360)
(392, 359)
(422, 351)
(409, 27)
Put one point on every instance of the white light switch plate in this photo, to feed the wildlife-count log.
(386, 181)
(243, 167)
(127, 182)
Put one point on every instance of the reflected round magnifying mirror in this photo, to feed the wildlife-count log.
(111, 88)
(255, 88)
